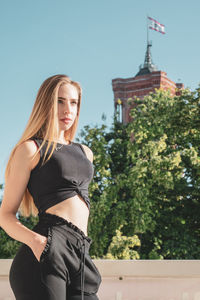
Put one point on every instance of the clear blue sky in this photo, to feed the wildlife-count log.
(93, 42)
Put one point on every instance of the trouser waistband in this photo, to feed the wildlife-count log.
(51, 219)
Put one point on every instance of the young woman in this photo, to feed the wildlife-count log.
(48, 174)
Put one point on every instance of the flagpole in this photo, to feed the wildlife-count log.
(147, 31)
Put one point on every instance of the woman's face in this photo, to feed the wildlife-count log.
(67, 105)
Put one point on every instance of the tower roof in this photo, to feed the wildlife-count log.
(148, 66)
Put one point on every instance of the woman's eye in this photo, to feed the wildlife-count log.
(72, 102)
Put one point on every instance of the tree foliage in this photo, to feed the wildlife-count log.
(122, 247)
(165, 173)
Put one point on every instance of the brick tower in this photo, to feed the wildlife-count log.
(145, 81)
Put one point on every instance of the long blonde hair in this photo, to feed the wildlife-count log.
(43, 124)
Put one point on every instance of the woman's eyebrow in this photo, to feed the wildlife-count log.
(62, 98)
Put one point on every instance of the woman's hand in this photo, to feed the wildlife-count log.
(38, 245)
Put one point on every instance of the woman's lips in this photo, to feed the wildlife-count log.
(67, 120)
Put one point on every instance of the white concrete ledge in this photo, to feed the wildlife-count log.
(135, 268)
(149, 268)
(135, 279)
(5, 267)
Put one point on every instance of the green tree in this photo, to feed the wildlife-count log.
(122, 247)
(164, 174)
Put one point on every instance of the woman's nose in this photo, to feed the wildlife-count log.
(67, 107)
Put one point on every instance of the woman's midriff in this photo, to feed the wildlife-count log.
(74, 210)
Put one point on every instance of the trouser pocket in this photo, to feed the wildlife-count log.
(47, 247)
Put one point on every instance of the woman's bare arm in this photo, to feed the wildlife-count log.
(15, 186)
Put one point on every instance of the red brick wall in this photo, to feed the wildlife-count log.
(141, 86)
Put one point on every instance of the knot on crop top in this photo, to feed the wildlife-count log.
(67, 173)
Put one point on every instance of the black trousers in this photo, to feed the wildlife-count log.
(65, 270)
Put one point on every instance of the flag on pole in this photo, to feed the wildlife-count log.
(155, 25)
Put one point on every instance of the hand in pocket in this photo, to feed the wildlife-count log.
(39, 245)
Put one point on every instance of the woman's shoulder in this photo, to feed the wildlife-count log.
(23, 154)
(26, 147)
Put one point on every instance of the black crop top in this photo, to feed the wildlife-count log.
(67, 173)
